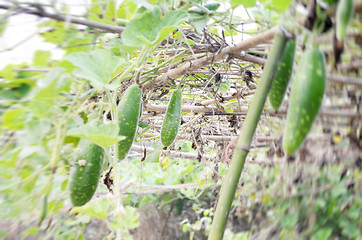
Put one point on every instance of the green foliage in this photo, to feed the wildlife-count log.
(98, 66)
(103, 135)
(150, 27)
(103, 12)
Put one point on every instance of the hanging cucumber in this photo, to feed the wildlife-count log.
(129, 109)
(283, 75)
(305, 99)
(172, 120)
(86, 172)
(343, 16)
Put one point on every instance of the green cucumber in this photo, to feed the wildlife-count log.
(172, 120)
(129, 109)
(283, 75)
(343, 16)
(86, 172)
(305, 98)
(44, 209)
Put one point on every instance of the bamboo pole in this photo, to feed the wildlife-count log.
(243, 144)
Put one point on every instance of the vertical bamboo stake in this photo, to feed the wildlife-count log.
(242, 147)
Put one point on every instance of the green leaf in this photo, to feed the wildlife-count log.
(281, 5)
(198, 21)
(16, 93)
(34, 132)
(41, 58)
(8, 72)
(103, 11)
(103, 135)
(3, 24)
(290, 220)
(322, 234)
(126, 9)
(97, 209)
(14, 119)
(224, 87)
(229, 110)
(40, 108)
(129, 219)
(97, 66)
(30, 231)
(57, 33)
(150, 28)
(245, 3)
(51, 85)
(155, 156)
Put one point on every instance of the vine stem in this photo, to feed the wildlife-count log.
(61, 130)
(114, 160)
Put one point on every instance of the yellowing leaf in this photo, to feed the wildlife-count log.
(164, 163)
(337, 138)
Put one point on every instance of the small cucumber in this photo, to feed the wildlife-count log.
(343, 16)
(44, 209)
(305, 99)
(172, 120)
(86, 172)
(283, 75)
(129, 109)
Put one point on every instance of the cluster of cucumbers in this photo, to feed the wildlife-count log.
(306, 94)
(89, 159)
(308, 86)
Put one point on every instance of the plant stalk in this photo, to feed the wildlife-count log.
(243, 144)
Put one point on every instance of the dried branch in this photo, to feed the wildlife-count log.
(210, 111)
(224, 53)
(221, 138)
(35, 10)
(185, 155)
(345, 80)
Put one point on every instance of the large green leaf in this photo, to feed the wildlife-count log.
(149, 28)
(97, 66)
(198, 21)
(51, 85)
(103, 135)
